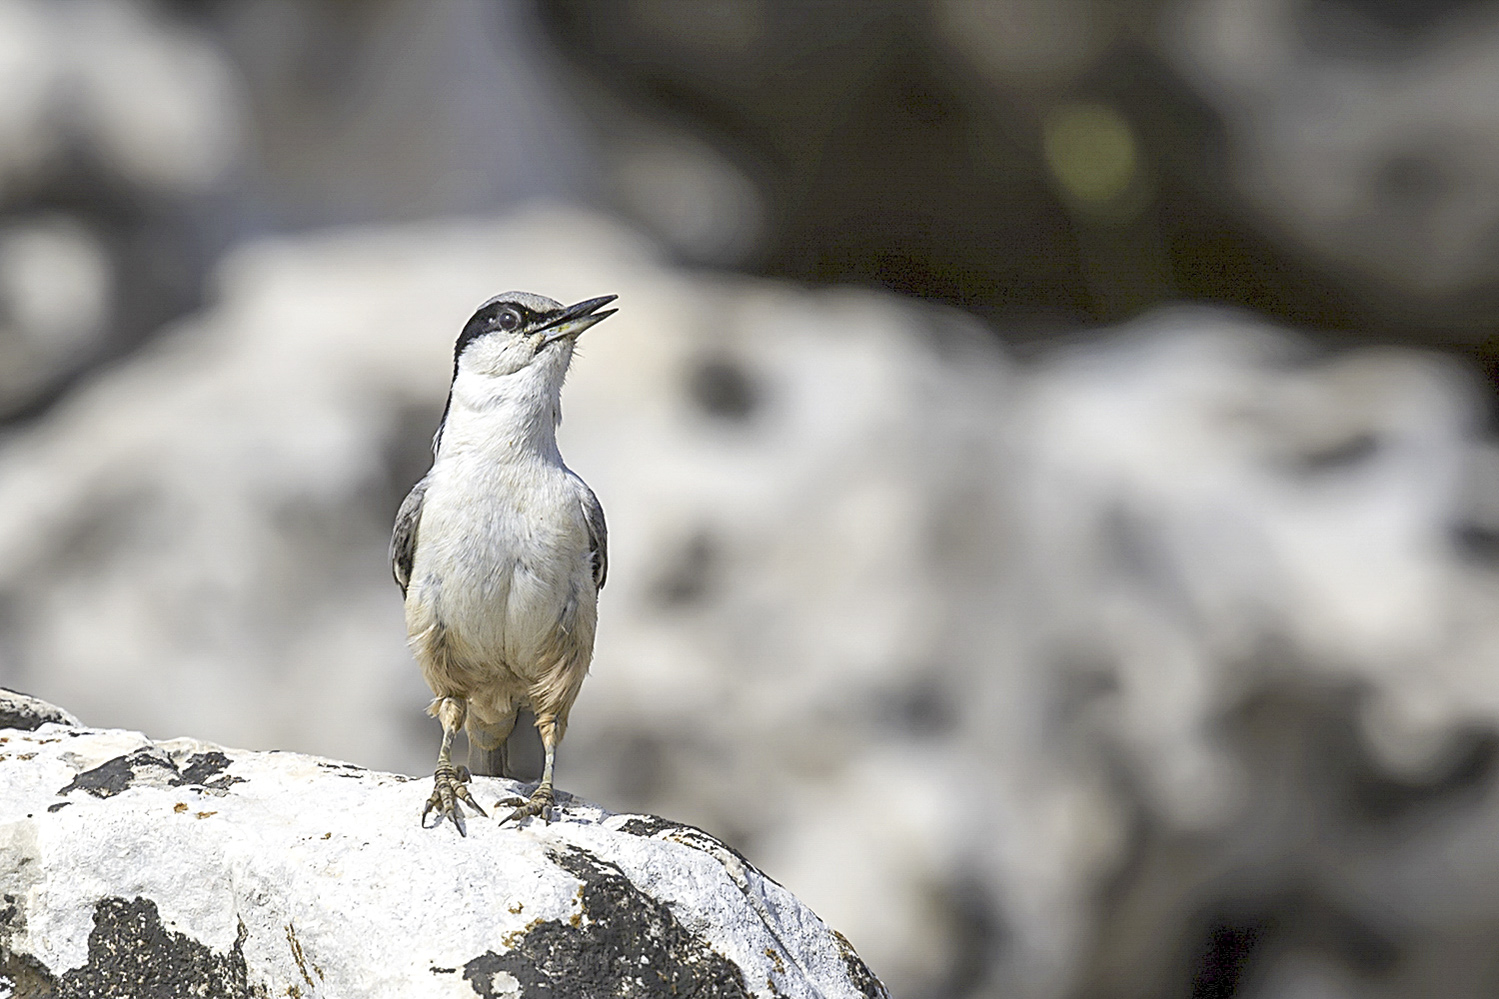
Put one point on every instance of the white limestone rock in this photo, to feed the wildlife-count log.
(131, 867)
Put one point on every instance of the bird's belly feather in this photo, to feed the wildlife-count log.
(494, 601)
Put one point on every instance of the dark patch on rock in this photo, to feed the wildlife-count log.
(130, 953)
(10, 914)
(22, 974)
(27, 713)
(626, 944)
(723, 387)
(858, 972)
(690, 574)
(114, 776)
(648, 825)
(151, 767)
(202, 766)
(652, 826)
(340, 772)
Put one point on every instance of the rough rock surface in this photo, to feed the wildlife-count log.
(130, 867)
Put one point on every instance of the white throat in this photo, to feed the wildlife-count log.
(505, 416)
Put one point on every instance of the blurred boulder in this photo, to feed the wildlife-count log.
(1363, 132)
(117, 121)
(124, 85)
(1213, 495)
(1111, 620)
(1263, 584)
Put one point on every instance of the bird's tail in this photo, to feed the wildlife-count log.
(492, 762)
(487, 755)
(507, 749)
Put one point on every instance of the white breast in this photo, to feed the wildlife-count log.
(502, 554)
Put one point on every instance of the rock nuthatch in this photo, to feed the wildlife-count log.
(501, 549)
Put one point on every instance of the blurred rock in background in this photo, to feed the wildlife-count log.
(1363, 133)
(394, 110)
(1111, 646)
(116, 122)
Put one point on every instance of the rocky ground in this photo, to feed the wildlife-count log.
(132, 867)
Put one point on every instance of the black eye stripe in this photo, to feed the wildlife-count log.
(487, 320)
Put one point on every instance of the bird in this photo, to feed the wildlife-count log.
(501, 550)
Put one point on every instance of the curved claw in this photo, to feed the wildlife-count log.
(463, 793)
(450, 786)
(540, 803)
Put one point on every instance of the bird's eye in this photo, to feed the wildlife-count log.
(509, 320)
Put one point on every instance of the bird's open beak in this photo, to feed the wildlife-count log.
(576, 318)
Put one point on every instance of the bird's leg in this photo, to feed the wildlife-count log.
(540, 802)
(451, 783)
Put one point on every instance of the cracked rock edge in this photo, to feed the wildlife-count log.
(655, 827)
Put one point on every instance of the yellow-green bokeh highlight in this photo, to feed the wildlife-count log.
(1092, 152)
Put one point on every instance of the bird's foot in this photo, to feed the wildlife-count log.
(451, 787)
(540, 803)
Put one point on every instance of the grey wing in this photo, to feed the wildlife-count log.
(403, 537)
(598, 535)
